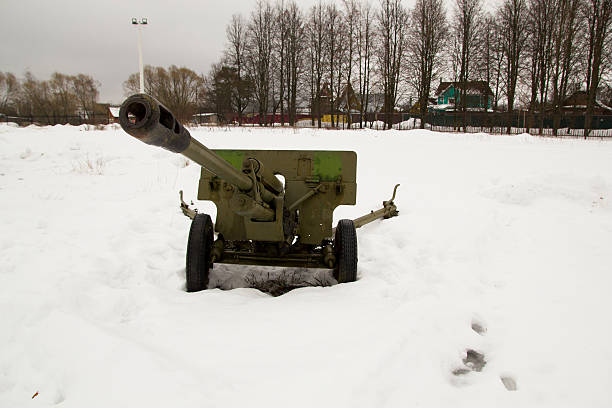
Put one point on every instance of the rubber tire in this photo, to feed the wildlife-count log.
(345, 248)
(199, 248)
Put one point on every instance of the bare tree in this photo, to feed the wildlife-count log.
(542, 20)
(185, 86)
(56, 100)
(259, 54)
(279, 58)
(178, 88)
(465, 41)
(426, 38)
(35, 97)
(364, 52)
(317, 51)
(534, 49)
(334, 53)
(563, 53)
(9, 92)
(498, 60)
(235, 55)
(598, 17)
(351, 23)
(341, 65)
(489, 59)
(63, 103)
(392, 26)
(293, 58)
(86, 91)
(131, 85)
(513, 17)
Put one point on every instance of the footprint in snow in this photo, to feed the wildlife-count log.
(509, 382)
(473, 361)
(479, 327)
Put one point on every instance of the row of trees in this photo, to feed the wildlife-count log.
(283, 57)
(180, 89)
(549, 48)
(567, 42)
(334, 57)
(63, 97)
(58, 98)
(532, 52)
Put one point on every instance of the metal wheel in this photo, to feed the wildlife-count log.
(199, 247)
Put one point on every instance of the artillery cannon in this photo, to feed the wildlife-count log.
(260, 221)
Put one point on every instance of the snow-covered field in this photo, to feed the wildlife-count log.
(509, 236)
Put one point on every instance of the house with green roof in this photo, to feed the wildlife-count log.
(478, 95)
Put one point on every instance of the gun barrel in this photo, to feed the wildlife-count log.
(146, 119)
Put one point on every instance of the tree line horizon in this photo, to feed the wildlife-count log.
(279, 58)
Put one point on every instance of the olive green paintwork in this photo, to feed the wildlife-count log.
(332, 173)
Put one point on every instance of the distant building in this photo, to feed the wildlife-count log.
(206, 118)
(415, 109)
(478, 95)
(113, 114)
(348, 101)
(577, 102)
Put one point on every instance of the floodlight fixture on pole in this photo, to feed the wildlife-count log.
(143, 21)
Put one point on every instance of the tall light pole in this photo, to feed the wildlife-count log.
(143, 21)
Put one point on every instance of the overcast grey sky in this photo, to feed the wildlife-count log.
(96, 37)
